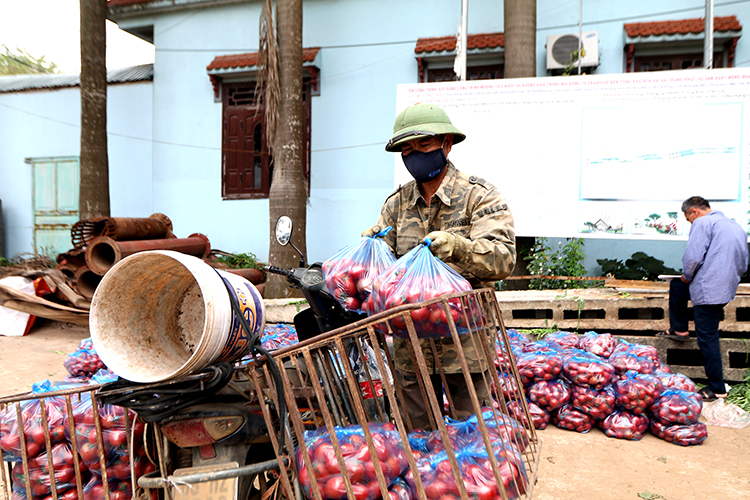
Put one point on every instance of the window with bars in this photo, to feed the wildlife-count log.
(674, 61)
(247, 165)
(487, 72)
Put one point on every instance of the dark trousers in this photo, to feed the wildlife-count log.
(707, 318)
(417, 408)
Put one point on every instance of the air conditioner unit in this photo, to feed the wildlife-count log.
(560, 48)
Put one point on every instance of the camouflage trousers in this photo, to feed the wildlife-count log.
(418, 409)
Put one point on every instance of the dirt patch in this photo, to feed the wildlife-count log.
(37, 356)
(587, 466)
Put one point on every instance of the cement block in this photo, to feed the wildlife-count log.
(664, 346)
(605, 309)
(283, 310)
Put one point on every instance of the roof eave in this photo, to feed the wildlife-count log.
(250, 71)
(115, 13)
(681, 37)
(438, 54)
(245, 71)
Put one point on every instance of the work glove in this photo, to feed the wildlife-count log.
(443, 245)
(369, 233)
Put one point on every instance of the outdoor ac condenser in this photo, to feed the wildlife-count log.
(560, 48)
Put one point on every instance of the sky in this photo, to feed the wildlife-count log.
(51, 28)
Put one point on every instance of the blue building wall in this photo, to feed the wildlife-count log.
(47, 123)
(366, 50)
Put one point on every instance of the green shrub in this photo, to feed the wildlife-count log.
(565, 261)
(240, 261)
(639, 266)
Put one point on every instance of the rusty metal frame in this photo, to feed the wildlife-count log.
(333, 390)
(318, 379)
(70, 396)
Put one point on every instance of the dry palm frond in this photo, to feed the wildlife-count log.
(26, 265)
(268, 70)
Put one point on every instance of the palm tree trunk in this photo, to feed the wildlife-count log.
(520, 38)
(520, 62)
(288, 192)
(93, 198)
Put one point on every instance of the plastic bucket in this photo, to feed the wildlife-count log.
(161, 314)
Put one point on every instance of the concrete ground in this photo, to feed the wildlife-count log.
(588, 466)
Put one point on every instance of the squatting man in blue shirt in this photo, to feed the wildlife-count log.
(715, 258)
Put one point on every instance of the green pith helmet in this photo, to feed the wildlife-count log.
(421, 120)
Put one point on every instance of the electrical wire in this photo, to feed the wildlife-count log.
(154, 403)
(257, 349)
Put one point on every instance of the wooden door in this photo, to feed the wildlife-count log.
(55, 184)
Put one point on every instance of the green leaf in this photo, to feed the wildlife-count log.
(21, 62)
(651, 496)
(241, 261)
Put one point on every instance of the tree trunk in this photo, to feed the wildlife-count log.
(93, 198)
(520, 62)
(288, 193)
(520, 38)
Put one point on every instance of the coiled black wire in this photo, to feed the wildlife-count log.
(257, 350)
(154, 403)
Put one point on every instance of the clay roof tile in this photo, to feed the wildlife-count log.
(448, 43)
(251, 59)
(684, 26)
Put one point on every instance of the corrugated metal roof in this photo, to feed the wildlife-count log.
(17, 83)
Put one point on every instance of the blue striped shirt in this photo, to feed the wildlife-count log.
(715, 258)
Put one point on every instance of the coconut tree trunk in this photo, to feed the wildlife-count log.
(520, 38)
(93, 198)
(288, 193)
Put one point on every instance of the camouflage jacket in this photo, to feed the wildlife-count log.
(471, 209)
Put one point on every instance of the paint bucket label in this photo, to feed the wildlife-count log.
(248, 298)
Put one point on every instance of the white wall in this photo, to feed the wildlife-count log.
(367, 49)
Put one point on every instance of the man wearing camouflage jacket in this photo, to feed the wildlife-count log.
(471, 229)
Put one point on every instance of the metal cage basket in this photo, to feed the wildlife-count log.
(326, 389)
(33, 422)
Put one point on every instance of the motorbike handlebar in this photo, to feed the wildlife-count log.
(278, 270)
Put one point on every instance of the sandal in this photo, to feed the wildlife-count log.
(672, 335)
(709, 395)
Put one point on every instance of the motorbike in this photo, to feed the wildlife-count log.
(212, 441)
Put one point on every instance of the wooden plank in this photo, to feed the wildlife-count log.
(742, 289)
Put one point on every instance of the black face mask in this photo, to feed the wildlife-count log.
(425, 166)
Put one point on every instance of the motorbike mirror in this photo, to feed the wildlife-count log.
(283, 230)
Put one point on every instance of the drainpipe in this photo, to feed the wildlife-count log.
(708, 39)
(86, 281)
